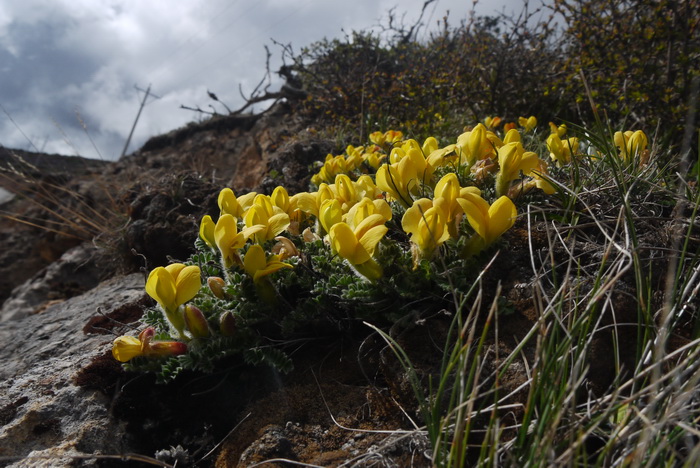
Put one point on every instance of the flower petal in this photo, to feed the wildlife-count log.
(477, 211)
(161, 287)
(228, 204)
(206, 231)
(125, 348)
(502, 216)
(371, 238)
(254, 259)
(188, 283)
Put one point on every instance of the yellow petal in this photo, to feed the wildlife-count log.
(125, 348)
(174, 269)
(372, 237)
(470, 189)
(270, 268)
(383, 208)
(246, 201)
(345, 244)
(477, 211)
(414, 214)
(368, 223)
(387, 180)
(344, 189)
(161, 287)
(276, 224)
(502, 216)
(429, 145)
(330, 214)
(227, 238)
(528, 162)
(264, 202)
(306, 202)
(206, 231)
(228, 204)
(255, 215)
(187, 284)
(280, 197)
(254, 259)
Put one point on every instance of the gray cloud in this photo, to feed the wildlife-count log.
(57, 56)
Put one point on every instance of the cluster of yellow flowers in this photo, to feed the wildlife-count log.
(351, 215)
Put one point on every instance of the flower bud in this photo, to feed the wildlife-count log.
(167, 348)
(196, 322)
(217, 286)
(227, 324)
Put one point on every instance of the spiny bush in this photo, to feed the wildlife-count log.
(638, 58)
(430, 87)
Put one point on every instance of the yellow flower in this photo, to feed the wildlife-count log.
(290, 205)
(365, 208)
(377, 138)
(344, 191)
(332, 166)
(387, 139)
(426, 222)
(310, 202)
(445, 195)
(560, 131)
(229, 240)
(492, 122)
(229, 204)
(489, 222)
(330, 213)
(429, 145)
(475, 145)
(366, 188)
(528, 123)
(258, 266)
(513, 159)
(561, 151)
(512, 136)
(373, 157)
(263, 213)
(403, 178)
(541, 182)
(125, 348)
(171, 287)
(631, 144)
(357, 245)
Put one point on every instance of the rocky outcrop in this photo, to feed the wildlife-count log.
(47, 418)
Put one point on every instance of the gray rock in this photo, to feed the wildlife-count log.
(46, 419)
(75, 272)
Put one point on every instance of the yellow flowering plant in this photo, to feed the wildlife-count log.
(365, 234)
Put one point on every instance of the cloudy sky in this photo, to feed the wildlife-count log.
(70, 64)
